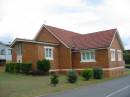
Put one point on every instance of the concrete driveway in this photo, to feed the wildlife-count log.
(115, 88)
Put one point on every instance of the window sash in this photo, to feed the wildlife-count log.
(49, 53)
(87, 56)
(119, 53)
(113, 55)
(2, 52)
(19, 49)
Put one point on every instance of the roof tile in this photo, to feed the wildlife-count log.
(101, 39)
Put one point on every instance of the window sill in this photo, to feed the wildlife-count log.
(88, 61)
(113, 60)
(49, 58)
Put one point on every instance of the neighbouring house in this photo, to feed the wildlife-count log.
(5, 53)
(68, 50)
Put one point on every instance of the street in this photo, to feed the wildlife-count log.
(119, 87)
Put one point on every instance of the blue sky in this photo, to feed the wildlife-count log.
(20, 18)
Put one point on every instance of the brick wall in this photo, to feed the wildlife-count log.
(101, 60)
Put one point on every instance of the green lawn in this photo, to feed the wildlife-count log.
(16, 85)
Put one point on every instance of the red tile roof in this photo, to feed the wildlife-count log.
(101, 39)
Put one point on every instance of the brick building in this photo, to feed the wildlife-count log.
(69, 50)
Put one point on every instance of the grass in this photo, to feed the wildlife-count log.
(17, 85)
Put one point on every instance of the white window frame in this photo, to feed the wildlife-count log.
(2, 52)
(19, 52)
(119, 54)
(47, 53)
(9, 51)
(90, 56)
(113, 54)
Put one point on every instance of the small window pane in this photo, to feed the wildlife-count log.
(2, 52)
(88, 56)
(9, 51)
(83, 55)
(92, 56)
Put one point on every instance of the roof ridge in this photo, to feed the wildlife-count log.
(62, 29)
(100, 31)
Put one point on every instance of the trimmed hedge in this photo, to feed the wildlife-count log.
(26, 67)
(18, 67)
(98, 73)
(72, 76)
(87, 74)
(44, 65)
(7, 67)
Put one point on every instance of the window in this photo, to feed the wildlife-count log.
(19, 49)
(48, 53)
(113, 55)
(9, 52)
(2, 52)
(119, 53)
(88, 56)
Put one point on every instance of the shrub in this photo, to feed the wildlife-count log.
(98, 73)
(26, 67)
(72, 76)
(44, 65)
(54, 79)
(17, 67)
(127, 66)
(7, 67)
(126, 56)
(11, 67)
(87, 74)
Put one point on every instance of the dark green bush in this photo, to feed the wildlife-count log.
(127, 66)
(26, 67)
(54, 79)
(98, 73)
(18, 67)
(87, 74)
(43, 65)
(72, 76)
(12, 68)
(126, 56)
(7, 67)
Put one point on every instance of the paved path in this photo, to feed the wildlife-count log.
(115, 88)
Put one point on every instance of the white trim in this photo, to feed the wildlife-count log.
(119, 51)
(39, 31)
(114, 68)
(87, 61)
(51, 33)
(119, 55)
(32, 41)
(56, 37)
(78, 50)
(119, 39)
(113, 58)
(49, 47)
(113, 39)
(85, 51)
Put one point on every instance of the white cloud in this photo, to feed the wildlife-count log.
(23, 18)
